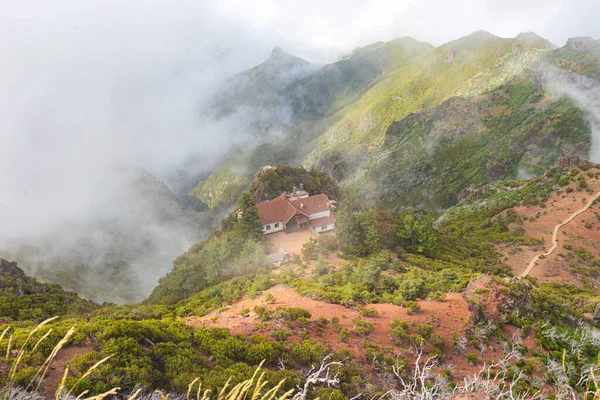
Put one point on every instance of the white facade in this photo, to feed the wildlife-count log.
(321, 214)
(272, 228)
(324, 228)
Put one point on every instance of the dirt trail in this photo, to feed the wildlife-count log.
(58, 365)
(555, 235)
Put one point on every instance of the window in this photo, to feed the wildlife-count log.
(324, 227)
(267, 227)
(277, 225)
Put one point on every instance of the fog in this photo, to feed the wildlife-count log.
(584, 92)
(90, 89)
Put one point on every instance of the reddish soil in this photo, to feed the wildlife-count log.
(57, 368)
(560, 206)
(449, 317)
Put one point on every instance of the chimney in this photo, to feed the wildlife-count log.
(301, 205)
(294, 191)
(302, 186)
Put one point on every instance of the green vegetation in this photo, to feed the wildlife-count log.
(270, 183)
(232, 250)
(23, 298)
(357, 232)
(421, 127)
(428, 124)
(145, 354)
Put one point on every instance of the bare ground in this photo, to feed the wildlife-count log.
(58, 365)
(290, 242)
(450, 317)
(558, 209)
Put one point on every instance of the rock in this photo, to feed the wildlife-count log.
(597, 314)
(8, 268)
(569, 162)
(581, 44)
(448, 57)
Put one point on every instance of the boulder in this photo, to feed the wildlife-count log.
(8, 268)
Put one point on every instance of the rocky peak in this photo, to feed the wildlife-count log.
(581, 44)
(532, 39)
(278, 53)
(8, 268)
(279, 56)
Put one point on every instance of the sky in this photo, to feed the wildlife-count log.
(90, 85)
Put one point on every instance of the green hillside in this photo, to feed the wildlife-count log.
(392, 117)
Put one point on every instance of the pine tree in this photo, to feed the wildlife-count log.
(249, 226)
(371, 233)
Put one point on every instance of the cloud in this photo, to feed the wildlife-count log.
(89, 86)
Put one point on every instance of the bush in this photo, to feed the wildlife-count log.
(399, 331)
(362, 327)
(281, 335)
(311, 249)
(291, 313)
(368, 312)
(425, 330)
(412, 307)
(270, 299)
(344, 335)
(328, 242)
(471, 358)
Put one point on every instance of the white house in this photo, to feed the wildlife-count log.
(293, 213)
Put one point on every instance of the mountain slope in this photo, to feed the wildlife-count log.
(23, 298)
(118, 251)
(357, 119)
(466, 67)
(514, 131)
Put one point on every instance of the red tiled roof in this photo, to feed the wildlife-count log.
(277, 210)
(322, 221)
(312, 204)
(281, 209)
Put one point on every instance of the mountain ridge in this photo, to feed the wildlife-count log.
(350, 130)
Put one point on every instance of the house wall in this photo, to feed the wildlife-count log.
(321, 214)
(272, 228)
(292, 226)
(325, 228)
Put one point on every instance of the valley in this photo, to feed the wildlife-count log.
(409, 222)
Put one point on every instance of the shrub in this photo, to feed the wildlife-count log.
(436, 296)
(291, 313)
(471, 358)
(281, 335)
(362, 327)
(425, 330)
(311, 249)
(412, 307)
(399, 330)
(344, 335)
(328, 242)
(368, 312)
(270, 299)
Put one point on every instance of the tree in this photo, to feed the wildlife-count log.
(248, 226)
(369, 226)
(357, 232)
(417, 235)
